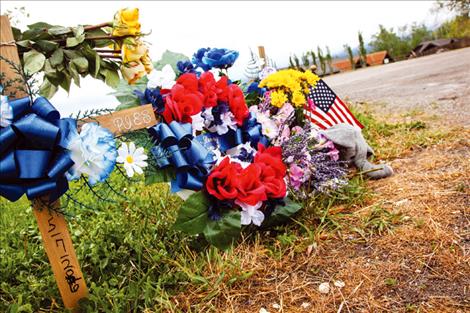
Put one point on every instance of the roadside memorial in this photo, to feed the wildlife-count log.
(243, 157)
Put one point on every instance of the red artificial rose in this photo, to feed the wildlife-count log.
(222, 89)
(222, 182)
(250, 188)
(189, 82)
(184, 100)
(237, 104)
(275, 186)
(208, 88)
(272, 157)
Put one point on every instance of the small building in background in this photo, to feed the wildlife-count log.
(372, 59)
(438, 45)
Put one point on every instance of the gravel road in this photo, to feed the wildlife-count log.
(437, 84)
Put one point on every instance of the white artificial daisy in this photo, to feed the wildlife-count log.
(6, 112)
(164, 78)
(251, 213)
(197, 122)
(133, 159)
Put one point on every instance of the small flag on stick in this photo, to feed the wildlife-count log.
(325, 109)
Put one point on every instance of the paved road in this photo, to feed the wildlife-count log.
(438, 83)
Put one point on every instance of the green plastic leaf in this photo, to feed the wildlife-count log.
(74, 41)
(81, 63)
(47, 89)
(192, 216)
(33, 61)
(78, 31)
(65, 83)
(282, 213)
(97, 64)
(225, 231)
(57, 57)
(40, 25)
(17, 34)
(154, 176)
(25, 43)
(111, 77)
(169, 57)
(99, 33)
(71, 54)
(47, 45)
(58, 30)
(74, 73)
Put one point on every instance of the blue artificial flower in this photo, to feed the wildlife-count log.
(185, 67)
(154, 97)
(218, 111)
(6, 112)
(207, 58)
(197, 59)
(253, 88)
(93, 151)
(220, 58)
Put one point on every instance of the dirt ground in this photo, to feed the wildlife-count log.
(423, 264)
(430, 187)
(437, 84)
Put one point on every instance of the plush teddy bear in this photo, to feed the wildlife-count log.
(354, 149)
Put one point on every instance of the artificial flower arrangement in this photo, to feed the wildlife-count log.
(64, 54)
(34, 130)
(234, 165)
(312, 161)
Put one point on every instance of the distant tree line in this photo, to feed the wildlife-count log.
(398, 43)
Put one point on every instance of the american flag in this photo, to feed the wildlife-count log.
(325, 109)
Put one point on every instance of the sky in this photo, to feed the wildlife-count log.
(282, 27)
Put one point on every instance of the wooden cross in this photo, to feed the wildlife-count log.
(52, 225)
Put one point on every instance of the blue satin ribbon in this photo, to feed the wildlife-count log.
(251, 132)
(33, 156)
(178, 148)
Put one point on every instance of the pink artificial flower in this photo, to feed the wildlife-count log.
(297, 130)
(296, 176)
(334, 154)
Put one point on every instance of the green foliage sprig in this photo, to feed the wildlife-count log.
(64, 54)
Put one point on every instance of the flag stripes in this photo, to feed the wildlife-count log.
(324, 109)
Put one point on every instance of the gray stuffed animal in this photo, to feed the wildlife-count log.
(354, 149)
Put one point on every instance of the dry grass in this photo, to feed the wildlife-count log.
(405, 248)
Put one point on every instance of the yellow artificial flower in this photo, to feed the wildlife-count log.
(147, 62)
(311, 78)
(298, 99)
(278, 98)
(133, 52)
(126, 22)
(133, 71)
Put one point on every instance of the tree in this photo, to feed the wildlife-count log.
(419, 33)
(291, 63)
(362, 50)
(350, 55)
(329, 59)
(387, 39)
(305, 61)
(297, 62)
(314, 58)
(321, 60)
(461, 7)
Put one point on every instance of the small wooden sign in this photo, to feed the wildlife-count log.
(59, 248)
(124, 121)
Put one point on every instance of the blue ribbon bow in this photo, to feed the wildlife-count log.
(33, 155)
(177, 147)
(249, 132)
